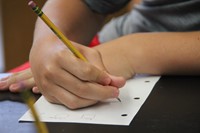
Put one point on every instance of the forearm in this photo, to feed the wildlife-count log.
(72, 17)
(153, 53)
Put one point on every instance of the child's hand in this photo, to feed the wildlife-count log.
(65, 79)
(18, 82)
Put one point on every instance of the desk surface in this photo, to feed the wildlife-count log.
(172, 107)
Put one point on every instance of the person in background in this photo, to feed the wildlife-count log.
(156, 37)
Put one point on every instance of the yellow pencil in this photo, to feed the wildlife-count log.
(59, 34)
(30, 100)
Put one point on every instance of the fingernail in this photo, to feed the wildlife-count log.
(15, 87)
(35, 90)
(116, 93)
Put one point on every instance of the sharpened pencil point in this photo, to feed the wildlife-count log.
(119, 99)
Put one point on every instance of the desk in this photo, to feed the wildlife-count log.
(172, 107)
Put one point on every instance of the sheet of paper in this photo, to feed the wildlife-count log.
(2, 75)
(111, 112)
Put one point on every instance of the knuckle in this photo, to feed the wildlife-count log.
(55, 57)
(73, 104)
(49, 71)
(81, 89)
(60, 54)
(86, 71)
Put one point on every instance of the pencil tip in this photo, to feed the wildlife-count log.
(119, 99)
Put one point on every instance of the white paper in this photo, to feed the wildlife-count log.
(2, 75)
(111, 112)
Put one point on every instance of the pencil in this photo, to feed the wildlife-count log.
(30, 100)
(59, 34)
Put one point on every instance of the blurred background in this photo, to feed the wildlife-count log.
(17, 22)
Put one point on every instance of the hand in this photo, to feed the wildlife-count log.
(65, 79)
(19, 81)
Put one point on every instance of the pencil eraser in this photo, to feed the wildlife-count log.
(32, 4)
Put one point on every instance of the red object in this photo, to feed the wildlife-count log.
(20, 68)
(26, 65)
(94, 42)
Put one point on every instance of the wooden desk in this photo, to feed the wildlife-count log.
(172, 107)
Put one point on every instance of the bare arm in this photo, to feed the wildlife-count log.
(72, 17)
(167, 53)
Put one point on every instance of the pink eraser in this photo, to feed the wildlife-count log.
(32, 4)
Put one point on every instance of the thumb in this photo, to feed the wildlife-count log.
(117, 81)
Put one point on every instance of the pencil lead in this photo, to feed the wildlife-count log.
(119, 99)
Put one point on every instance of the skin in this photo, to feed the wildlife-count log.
(67, 84)
(75, 83)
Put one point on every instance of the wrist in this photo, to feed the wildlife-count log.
(115, 59)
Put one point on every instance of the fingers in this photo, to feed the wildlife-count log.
(95, 58)
(84, 70)
(117, 81)
(19, 76)
(73, 101)
(36, 90)
(94, 70)
(18, 81)
(59, 95)
(4, 83)
(86, 90)
(22, 85)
